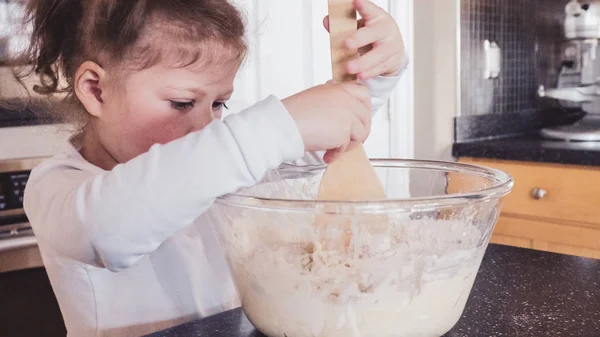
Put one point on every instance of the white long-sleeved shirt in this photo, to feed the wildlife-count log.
(127, 250)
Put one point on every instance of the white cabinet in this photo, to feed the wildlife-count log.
(289, 52)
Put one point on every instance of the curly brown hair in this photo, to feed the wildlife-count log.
(131, 33)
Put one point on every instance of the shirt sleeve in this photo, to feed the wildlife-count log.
(113, 218)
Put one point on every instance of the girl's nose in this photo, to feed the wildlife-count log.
(202, 119)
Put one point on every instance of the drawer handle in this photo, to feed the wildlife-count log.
(538, 193)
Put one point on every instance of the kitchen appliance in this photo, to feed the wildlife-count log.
(18, 246)
(407, 266)
(579, 75)
(25, 287)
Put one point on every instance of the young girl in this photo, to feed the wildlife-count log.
(113, 214)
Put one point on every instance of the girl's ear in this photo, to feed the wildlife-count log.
(87, 84)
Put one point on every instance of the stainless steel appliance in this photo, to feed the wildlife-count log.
(578, 82)
(25, 287)
(18, 246)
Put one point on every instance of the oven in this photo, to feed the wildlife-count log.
(18, 247)
(26, 289)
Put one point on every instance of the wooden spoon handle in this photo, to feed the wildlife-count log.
(342, 24)
(351, 176)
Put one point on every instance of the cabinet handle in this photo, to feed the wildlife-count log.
(538, 193)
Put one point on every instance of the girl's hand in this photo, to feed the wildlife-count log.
(379, 40)
(331, 116)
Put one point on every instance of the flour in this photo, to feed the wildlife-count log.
(412, 280)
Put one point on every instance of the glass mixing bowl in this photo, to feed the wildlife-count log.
(400, 267)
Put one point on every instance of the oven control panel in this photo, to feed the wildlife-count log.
(13, 221)
(14, 174)
(12, 188)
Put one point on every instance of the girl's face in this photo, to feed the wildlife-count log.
(155, 106)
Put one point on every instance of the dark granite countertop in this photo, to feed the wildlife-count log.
(531, 148)
(518, 292)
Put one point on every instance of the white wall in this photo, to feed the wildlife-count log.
(437, 89)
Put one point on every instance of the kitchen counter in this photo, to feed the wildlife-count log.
(518, 292)
(531, 148)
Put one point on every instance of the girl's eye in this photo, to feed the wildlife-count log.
(182, 106)
(219, 105)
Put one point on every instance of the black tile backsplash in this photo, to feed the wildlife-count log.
(529, 33)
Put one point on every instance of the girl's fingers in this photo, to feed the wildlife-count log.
(368, 10)
(384, 67)
(367, 36)
(372, 59)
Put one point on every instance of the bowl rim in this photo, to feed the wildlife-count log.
(503, 184)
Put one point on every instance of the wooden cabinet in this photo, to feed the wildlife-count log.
(552, 207)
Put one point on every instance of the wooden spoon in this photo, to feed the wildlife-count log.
(351, 177)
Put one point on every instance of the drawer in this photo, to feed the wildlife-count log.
(555, 192)
(512, 241)
(564, 238)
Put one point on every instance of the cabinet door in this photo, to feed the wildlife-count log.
(513, 241)
(547, 191)
(551, 208)
(565, 238)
